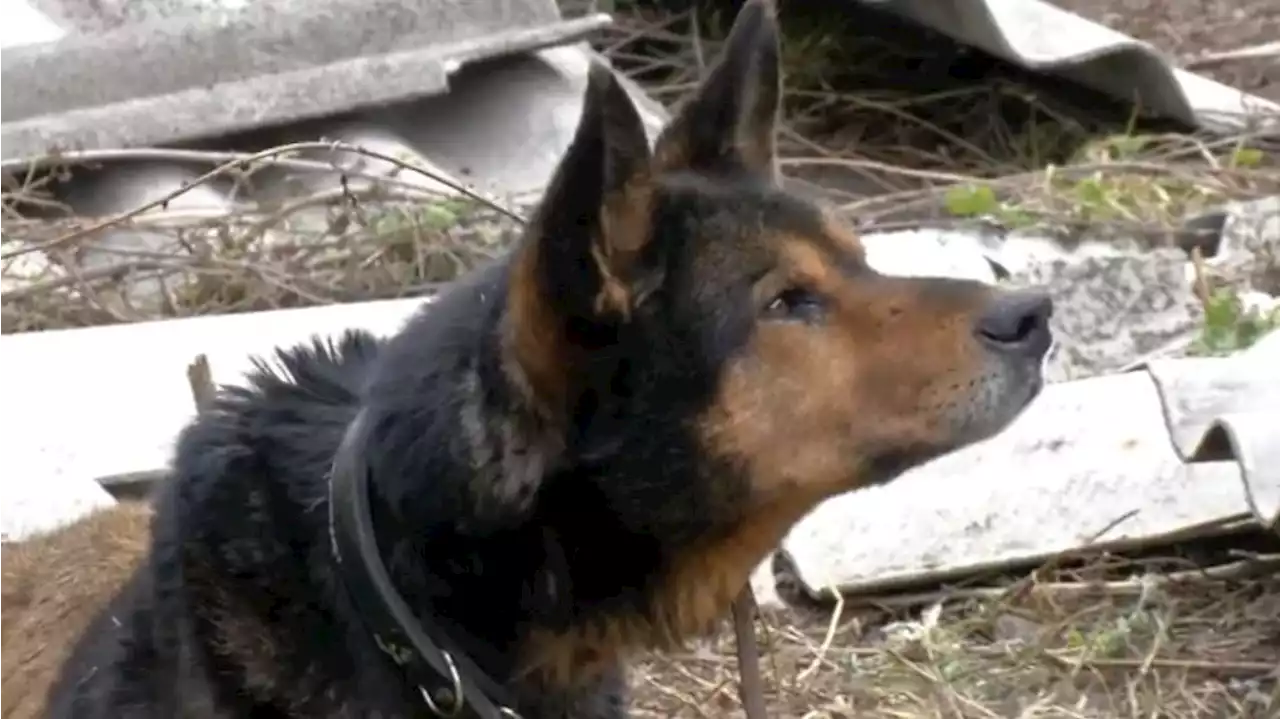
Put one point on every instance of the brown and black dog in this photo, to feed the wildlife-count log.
(578, 452)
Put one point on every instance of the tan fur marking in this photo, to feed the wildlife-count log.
(754, 145)
(671, 151)
(54, 584)
(532, 337)
(613, 296)
(695, 594)
(807, 403)
(624, 228)
(843, 235)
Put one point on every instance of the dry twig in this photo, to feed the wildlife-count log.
(750, 682)
(200, 378)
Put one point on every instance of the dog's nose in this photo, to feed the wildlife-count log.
(1017, 323)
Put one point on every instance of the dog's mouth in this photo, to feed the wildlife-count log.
(1009, 384)
(990, 412)
(1011, 345)
(1015, 341)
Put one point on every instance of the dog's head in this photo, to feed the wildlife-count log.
(717, 353)
(697, 282)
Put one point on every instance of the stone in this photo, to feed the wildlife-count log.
(1112, 309)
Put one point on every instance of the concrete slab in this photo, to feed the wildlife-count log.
(106, 402)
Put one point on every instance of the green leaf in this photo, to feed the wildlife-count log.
(1090, 191)
(438, 217)
(1015, 217)
(971, 200)
(1246, 157)
(1075, 639)
(1128, 146)
(1222, 310)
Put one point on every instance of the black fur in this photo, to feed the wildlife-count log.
(245, 513)
(245, 518)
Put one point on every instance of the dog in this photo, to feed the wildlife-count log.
(54, 584)
(574, 454)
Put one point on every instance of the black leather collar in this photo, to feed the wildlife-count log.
(448, 682)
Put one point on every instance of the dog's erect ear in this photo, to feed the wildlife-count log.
(582, 268)
(594, 218)
(730, 122)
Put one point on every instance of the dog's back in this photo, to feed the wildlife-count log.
(54, 585)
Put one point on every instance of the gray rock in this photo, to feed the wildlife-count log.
(1111, 310)
(1248, 254)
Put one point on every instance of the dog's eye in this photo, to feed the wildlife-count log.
(795, 304)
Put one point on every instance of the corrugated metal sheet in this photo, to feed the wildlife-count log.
(260, 65)
(1229, 411)
(1045, 38)
(71, 439)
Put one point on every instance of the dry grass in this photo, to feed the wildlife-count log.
(932, 135)
(386, 239)
(1172, 640)
(900, 131)
(888, 121)
(366, 238)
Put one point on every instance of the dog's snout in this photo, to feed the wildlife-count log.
(1017, 322)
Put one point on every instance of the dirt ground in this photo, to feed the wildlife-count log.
(1188, 30)
(1117, 638)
